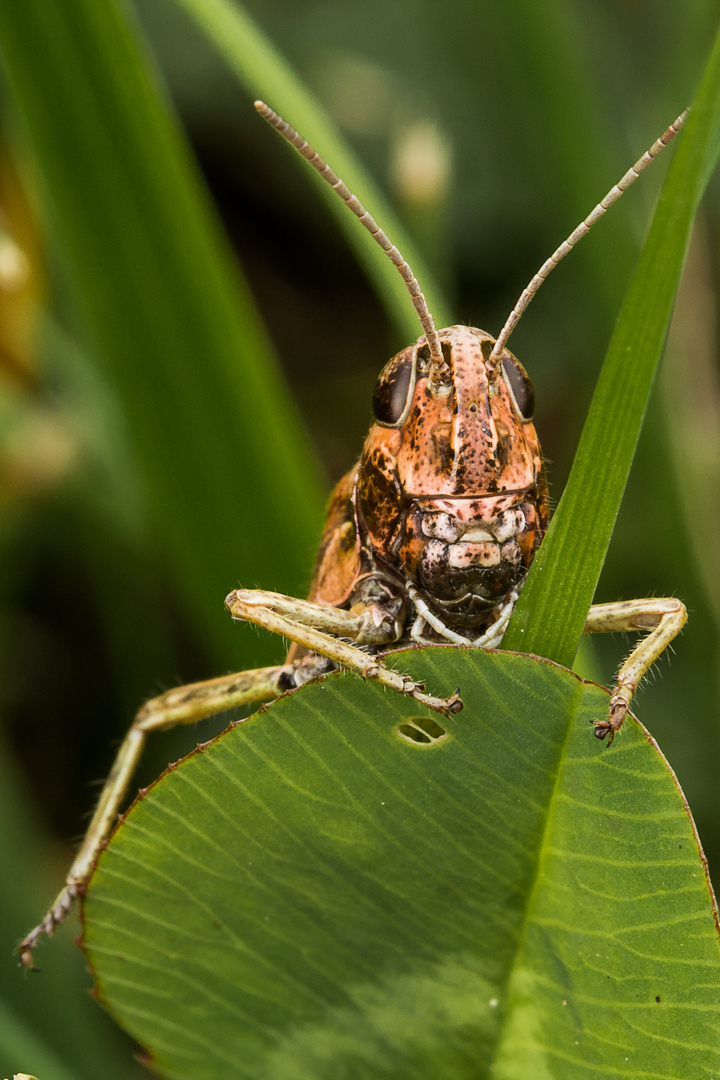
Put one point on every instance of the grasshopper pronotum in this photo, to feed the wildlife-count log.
(427, 539)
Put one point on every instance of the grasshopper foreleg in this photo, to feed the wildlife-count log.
(663, 618)
(313, 626)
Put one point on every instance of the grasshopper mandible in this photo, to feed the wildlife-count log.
(428, 539)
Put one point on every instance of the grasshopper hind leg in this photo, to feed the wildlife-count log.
(313, 628)
(183, 705)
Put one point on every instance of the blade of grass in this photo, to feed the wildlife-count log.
(231, 484)
(23, 1048)
(550, 614)
(267, 74)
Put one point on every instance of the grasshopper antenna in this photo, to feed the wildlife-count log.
(583, 228)
(438, 365)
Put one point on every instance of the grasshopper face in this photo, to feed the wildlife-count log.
(451, 490)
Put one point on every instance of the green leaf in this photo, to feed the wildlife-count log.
(550, 615)
(315, 896)
(222, 454)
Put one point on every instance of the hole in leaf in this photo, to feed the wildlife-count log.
(408, 731)
(430, 726)
(421, 730)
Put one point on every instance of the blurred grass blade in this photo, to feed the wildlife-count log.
(21, 1047)
(551, 612)
(231, 484)
(267, 74)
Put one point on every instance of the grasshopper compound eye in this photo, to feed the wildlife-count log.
(520, 387)
(394, 389)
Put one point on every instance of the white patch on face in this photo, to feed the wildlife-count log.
(462, 556)
(510, 523)
(441, 527)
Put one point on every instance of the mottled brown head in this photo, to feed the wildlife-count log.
(451, 489)
(471, 438)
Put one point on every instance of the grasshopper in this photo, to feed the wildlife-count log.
(428, 538)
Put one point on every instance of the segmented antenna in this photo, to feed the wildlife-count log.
(584, 227)
(438, 365)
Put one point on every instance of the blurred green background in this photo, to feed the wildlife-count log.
(492, 130)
